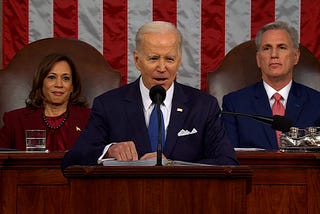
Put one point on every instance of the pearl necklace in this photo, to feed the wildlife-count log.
(55, 127)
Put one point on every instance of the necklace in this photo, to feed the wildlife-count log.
(44, 118)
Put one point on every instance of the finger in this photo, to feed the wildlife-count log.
(149, 156)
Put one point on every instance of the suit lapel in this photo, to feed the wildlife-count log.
(179, 111)
(295, 103)
(134, 110)
(262, 107)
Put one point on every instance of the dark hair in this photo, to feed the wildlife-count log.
(36, 96)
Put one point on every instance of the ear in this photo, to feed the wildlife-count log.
(257, 59)
(136, 59)
(297, 56)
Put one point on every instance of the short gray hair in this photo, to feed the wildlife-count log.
(278, 25)
(157, 27)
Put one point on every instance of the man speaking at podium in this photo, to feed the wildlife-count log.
(118, 126)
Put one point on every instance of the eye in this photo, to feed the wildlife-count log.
(266, 48)
(171, 59)
(283, 47)
(51, 77)
(153, 58)
(66, 78)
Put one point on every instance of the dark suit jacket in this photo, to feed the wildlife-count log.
(118, 116)
(302, 108)
(12, 134)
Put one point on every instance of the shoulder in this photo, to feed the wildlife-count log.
(300, 88)
(248, 90)
(21, 111)
(193, 95)
(75, 108)
(117, 93)
(76, 111)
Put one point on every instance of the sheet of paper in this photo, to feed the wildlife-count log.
(149, 162)
(248, 149)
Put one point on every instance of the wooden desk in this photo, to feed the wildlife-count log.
(283, 182)
(32, 183)
(158, 189)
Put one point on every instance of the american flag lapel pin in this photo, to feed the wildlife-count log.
(179, 110)
(78, 129)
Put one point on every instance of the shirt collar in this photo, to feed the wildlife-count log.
(147, 102)
(284, 92)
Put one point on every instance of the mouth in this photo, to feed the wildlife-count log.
(274, 65)
(56, 93)
(160, 79)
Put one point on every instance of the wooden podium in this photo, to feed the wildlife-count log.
(158, 189)
(283, 182)
(280, 183)
(32, 183)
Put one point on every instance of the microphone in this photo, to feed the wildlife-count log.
(158, 94)
(277, 122)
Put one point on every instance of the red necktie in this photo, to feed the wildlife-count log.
(277, 109)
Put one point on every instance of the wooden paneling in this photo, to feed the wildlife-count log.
(213, 189)
(283, 182)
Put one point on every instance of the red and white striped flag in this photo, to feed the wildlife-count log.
(210, 27)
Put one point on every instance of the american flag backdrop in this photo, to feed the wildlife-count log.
(210, 27)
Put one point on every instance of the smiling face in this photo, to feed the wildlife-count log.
(276, 57)
(158, 59)
(57, 85)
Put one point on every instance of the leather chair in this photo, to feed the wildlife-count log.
(239, 69)
(96, 74)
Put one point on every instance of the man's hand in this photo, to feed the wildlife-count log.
(123, 151)
(150, 156)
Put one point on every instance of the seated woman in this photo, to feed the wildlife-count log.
(54, 104)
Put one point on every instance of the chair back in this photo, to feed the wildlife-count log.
(239, 69)
(96, 74)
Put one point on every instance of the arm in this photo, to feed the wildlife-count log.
(230, 122)
(216, 140)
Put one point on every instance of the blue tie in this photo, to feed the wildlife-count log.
(153, 129)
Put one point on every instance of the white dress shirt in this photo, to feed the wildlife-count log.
(284, 92)
(148, 105)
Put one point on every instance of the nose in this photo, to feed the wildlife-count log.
(162, 65)
(59, 82)
(274, 53)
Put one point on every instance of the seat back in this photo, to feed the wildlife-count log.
(96, 74)
(239, 69)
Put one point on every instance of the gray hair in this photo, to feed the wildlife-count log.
(279, 25)
(157, 27)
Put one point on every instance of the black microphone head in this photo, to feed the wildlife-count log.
(157, 94)
(281, 123)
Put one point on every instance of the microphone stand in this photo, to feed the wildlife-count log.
(159, 146)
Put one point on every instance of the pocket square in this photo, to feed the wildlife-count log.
(183, 132)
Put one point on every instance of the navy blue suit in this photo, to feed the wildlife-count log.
(118, 116)
(302, 108)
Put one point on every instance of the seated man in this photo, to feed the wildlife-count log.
(118, 126)
(277, 93)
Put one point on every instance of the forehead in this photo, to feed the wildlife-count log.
(276, 36)
(168, 39)
(61, 67)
